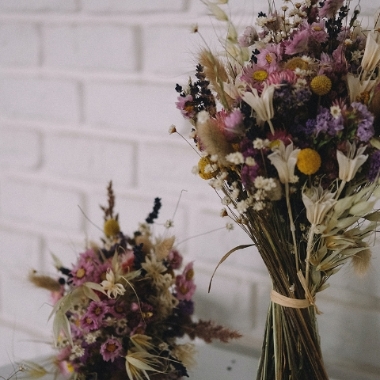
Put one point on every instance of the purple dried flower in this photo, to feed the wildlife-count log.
(365, 129)
(185, 105)
(248, 37)
(97, 310)
(111, 349)
(374, 166)
(88, 323)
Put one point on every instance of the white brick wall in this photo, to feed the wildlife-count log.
(87, 95)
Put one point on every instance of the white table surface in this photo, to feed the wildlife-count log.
(213, 363)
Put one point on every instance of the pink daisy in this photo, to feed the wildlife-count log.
(111, 349)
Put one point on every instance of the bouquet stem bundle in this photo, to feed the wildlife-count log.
(291, 341)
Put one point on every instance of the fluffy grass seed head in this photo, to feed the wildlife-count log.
(111, 227)
(309, 161)
(321, 85)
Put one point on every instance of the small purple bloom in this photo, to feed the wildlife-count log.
(97, 310)
(299, 42)
(175, 259)
(87, 323)
(365, 126)
(185, 105)
(186, 307)
(248, 37)
(111, 349)
(374, 166)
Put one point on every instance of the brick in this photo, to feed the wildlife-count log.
(38, 5)
(19, 148)
(18, 346)
(38, 98)
(19, 44)
(66, 250)
(131, 106)
(32, 305)
(222, 240)
(20, 251)
(234, 6)
(94, 47)
(90, 158)
(133, 5)
(227, 294)
(172, 50)
(133, 209)
(41, 204)
(169, 168)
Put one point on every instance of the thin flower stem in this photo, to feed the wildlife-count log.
(341, 187)
(308, 251)
(271, 126)
(292, 226)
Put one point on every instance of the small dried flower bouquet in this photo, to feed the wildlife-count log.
(121, 308)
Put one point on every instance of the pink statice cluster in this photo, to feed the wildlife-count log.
(121, 307)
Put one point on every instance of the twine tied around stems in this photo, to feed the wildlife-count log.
(296, 303)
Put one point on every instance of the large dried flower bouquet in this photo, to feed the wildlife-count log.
(286, 120)
(120, 310)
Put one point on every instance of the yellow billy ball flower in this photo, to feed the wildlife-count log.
(308, 161)
(204, 166)
(296, 63)
(260, 75)
(111, 227)
(320, 85)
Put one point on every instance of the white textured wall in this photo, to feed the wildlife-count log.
(87, 95)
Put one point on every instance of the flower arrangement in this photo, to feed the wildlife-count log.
(286, 121)
(119, 311)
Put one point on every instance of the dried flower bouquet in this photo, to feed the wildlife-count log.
(120, 310)
(286, 120)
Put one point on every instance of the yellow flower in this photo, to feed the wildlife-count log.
(309, 161)
(111, 227)
(296, 63)
(320, 85)
(204, 166)
(260, 75)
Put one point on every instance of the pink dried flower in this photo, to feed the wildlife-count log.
(269, 57)
(185, 105)
(185, 286)
(248, 37)
(111, 349)
(175, 259)
(299, 43)
(279, 77)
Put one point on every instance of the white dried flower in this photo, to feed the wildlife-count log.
(236, 158)
(250, 161)
(229, 226)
